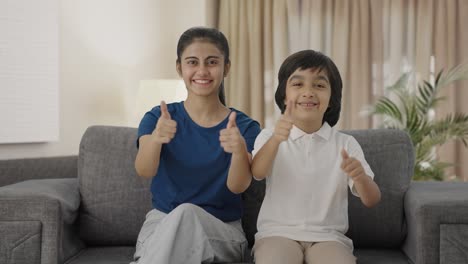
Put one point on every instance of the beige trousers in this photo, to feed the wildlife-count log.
(280, 250)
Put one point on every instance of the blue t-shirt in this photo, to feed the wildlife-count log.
(193, 167)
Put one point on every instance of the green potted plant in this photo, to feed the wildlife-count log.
(411, 108)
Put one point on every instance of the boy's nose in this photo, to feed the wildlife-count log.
(308, 93)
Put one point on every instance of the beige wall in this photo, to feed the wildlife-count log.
(106, 47)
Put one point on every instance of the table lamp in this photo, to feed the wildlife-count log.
(152, 92)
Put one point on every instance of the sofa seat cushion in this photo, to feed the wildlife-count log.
(124, 255)
(103, 255)
(380, 256)
(107, 255)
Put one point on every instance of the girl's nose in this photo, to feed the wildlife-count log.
(202, 69)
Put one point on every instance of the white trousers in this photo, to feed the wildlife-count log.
(188, 235)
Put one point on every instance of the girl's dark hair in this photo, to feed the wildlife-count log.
(210, 35)
(310, 59)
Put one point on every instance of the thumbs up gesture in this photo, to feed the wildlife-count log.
(230, 138)
(165, 128)
(352, 167)
(284, 125)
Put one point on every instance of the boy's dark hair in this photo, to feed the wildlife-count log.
(310, 59)
(210, 35)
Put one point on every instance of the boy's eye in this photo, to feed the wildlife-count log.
(191, 62)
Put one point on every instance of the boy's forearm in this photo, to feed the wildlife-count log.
(368, 191)
(239, 175)
(263, 160)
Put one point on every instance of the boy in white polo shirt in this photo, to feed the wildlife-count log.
(308, 166)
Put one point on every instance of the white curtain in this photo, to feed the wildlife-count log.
(371, 42)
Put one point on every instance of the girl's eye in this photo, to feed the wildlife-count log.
(192, 62)
(297, 84)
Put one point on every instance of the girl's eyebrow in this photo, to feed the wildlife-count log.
(207, 58)
(213, 57)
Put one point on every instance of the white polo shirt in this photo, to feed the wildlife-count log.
(306, 196)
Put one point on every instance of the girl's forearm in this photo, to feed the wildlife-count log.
(239, 175)
(147, 159)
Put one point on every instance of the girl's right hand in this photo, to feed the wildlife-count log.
(165, 128)
(284, 125)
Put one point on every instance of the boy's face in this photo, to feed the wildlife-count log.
(310, 91)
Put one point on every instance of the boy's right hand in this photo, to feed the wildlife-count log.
(165, 128)
(284, 125)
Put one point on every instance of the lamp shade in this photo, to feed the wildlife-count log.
(152, 92)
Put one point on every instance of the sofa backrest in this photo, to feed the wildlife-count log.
(391, 158)
(114, 200)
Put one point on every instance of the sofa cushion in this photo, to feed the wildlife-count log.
(390, 155)
(114, 199)
(381, 256)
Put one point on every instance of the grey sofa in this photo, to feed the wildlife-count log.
(89, 209)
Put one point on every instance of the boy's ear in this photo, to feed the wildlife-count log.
(179, 69)
(227, 67)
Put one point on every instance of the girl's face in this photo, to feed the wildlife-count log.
(310, 91)
(202, 68)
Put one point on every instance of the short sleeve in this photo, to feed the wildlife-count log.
(262, 138)
(354, 150)
(148, 123)
(248, 127)
(251, 134)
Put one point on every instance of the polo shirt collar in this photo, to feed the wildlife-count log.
(324, 132)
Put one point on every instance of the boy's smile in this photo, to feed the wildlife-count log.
(308, 105)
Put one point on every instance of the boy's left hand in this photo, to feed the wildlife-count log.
(352, 167)
(230, 137)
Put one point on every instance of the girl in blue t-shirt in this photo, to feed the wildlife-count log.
(197, 153)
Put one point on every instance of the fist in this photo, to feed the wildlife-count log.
(230, 138)
(352, 167)
(165, 128)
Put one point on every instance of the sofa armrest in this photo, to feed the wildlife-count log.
(18, 170)
(437, 219)
(37, 221)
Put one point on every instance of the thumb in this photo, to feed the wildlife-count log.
(232, 120)
(164, 113)
(344, 154)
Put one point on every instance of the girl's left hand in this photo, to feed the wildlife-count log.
(352, 167)
(230, 137)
